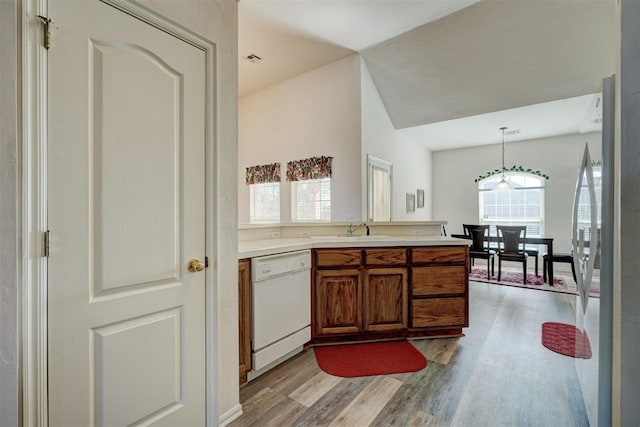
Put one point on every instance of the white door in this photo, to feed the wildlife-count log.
(126, 168)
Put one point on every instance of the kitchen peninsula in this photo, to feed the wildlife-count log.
(407, 283)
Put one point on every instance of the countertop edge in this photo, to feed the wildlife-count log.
(256, 248)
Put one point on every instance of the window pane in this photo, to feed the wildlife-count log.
(522, 205)
(311, 200)
(264, 202)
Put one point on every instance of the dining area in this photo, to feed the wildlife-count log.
(510, 243)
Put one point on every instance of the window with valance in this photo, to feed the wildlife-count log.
(264, 193)
(310, 189)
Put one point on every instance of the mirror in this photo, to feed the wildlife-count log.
(379, 175)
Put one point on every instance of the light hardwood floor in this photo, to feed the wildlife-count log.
(499, 374)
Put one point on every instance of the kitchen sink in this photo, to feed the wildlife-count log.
(369, 237)
(354, 237)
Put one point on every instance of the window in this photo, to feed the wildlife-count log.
(264, 202)
(264, 193)
(311, 200)
(378, 189)
(523, 204)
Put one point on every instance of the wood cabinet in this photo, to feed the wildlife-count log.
(352, 300)
(244, 321)
(377, 293)
(439, 287)
(385, 299)
(338, 302)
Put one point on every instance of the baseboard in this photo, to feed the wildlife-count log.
(230, 415)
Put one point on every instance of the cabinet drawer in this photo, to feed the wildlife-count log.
(337, 257)
(445, 255)
(385, 256)
(428, 281)
(438, 312)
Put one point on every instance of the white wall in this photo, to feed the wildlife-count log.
(314, 114)
(217, 20)
(455, 195)
(411, 161)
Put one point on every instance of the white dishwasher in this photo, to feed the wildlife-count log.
(280, 308)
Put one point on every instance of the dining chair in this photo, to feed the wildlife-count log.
(511, 247)
(479, 235)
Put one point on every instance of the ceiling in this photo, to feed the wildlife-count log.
(295, 36)
(579, 114)
(450, 72)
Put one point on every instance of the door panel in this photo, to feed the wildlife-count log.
(148, 380)
(123, 78)
(126, 149)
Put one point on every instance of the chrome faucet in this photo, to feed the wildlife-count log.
(352, 228)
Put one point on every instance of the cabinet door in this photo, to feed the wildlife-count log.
(244, 326)
(338, 302)
(385, 299)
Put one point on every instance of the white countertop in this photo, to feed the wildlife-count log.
(255, 248)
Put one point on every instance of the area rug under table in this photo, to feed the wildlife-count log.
(514, 278)
(361, 360)
(566, 339)
(561, 282)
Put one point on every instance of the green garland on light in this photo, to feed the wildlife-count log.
(513, 168)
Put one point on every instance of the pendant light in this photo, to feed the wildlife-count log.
(503, 184)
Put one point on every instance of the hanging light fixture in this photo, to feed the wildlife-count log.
(503, 184)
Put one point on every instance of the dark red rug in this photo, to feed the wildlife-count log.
(566, 339)
(514, 278)
(510, 277)
(378, 358)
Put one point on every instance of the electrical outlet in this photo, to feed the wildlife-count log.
(417, 232)
(305, 233)
(275, 234)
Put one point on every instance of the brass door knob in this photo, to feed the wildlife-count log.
(195, 265)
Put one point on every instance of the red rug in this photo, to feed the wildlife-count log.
(378, 358)
(566, 339)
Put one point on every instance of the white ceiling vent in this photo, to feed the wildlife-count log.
(252, 57)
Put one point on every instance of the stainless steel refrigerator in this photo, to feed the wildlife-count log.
(592, 249)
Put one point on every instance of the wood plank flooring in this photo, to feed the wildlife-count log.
(499, 374)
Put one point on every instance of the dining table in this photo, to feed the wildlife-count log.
(547, 241)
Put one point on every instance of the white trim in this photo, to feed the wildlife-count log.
(34, 216)
(231, 415)
(34, 200)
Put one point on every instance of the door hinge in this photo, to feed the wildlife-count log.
(206, 262)
(45, 242)
(46, 23)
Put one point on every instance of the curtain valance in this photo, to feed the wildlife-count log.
(263, 173)
(311, 168)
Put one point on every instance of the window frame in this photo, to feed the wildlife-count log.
(523, 220)
(294, 200)
(252, 203)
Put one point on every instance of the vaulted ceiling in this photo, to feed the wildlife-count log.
(440, 60)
